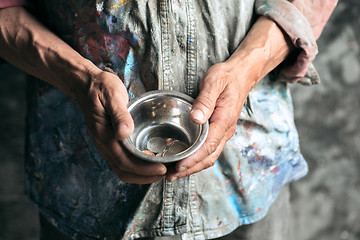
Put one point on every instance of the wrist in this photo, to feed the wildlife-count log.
(78, 79)
(245, 68)
(264, 48)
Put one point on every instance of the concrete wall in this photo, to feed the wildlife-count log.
(326, 203)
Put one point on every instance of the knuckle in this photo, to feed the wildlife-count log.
(197, 160)
(211, 162)
(212, 145)
(228, 125)
(206, 101)
(117, 117)
(222, 66)
(231, 131)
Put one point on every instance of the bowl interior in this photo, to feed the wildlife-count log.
(163, 126)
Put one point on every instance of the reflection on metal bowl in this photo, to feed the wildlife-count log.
(163, 130)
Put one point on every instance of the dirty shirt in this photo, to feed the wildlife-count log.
(164, 44)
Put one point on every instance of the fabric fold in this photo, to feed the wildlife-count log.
(298, 29)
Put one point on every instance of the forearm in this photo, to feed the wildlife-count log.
(263, 48)
(101, 95)
(27, 44)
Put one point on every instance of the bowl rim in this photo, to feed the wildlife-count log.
(204, 128)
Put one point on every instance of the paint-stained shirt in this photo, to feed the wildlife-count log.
(164, 44)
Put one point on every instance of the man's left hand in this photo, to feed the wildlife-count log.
(221, 99)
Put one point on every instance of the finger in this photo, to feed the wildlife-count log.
(207, 162)
(119, 160)
(122, 122)
(137, 179)
(204, 104)
(216, 134)
(222, 120)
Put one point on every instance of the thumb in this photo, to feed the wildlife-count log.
(121, 119)
(204, 104)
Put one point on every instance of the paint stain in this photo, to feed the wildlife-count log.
(120, 3)
(274, 170)
(239, 171)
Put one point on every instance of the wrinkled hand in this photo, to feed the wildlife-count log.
(221, 99)
(107, 117)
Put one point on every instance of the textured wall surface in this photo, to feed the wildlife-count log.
(326, 203)
(18, 217)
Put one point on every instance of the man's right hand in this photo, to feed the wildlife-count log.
(107, 117)
(29, 45)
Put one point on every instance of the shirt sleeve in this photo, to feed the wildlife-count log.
(303, 22)
(12, 3)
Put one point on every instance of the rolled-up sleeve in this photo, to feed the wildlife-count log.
(303, 22)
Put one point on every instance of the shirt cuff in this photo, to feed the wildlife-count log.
(316, 12)
(12, 3)
(299, 31)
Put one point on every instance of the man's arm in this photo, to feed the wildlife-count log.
(27, 44)
(225, 86)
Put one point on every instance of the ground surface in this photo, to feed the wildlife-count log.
(326, 203)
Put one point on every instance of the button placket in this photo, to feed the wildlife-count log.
(191, 43)
(167, 79)
(170, 206)
(172, 209)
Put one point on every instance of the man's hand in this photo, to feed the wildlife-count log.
(29, 45)
(221, 99)
(224, 88)
(107, 117)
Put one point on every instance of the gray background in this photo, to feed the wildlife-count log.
(326, 203)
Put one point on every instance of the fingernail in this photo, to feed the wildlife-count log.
(198, 115)
(181, 169)
(123, 127)
(172, 179)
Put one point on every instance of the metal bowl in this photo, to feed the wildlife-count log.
(163, 130)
